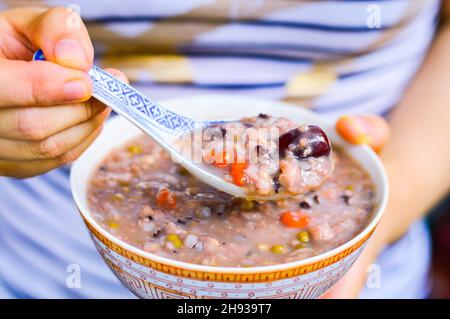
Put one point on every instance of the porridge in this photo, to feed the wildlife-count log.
(141, 197)
(268, 155)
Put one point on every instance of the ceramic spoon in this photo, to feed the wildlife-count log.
(162, 125)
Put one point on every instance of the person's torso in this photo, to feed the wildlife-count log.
(334, 56)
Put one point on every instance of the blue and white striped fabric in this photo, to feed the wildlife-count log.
(223, 46)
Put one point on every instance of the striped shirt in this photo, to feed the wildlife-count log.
(334, 57)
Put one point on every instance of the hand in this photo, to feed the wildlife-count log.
(47, 117)
(374, 131)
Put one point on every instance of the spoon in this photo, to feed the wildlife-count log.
(161, 124)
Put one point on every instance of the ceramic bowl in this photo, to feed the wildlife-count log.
(152, 276)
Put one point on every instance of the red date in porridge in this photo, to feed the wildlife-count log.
(268, 155)
(141, 197)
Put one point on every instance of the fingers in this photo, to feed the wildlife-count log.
(41, 83)
(53, 146)
(61, 34)
(23, 169)
(38, 123)
(34, 140)
(364, 129)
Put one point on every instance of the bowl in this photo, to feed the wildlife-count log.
(151, 276)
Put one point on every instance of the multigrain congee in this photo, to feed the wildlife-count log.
(141, 197)
(268, 155)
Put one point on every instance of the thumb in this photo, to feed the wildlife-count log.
(372, 130)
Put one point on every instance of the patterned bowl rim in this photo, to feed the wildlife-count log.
(358, 239)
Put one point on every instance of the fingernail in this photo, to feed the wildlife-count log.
(121, 77)
(352, 129)
(69, 51)
(361, 130)
(364, 139)
(75, 90)
(105, 112)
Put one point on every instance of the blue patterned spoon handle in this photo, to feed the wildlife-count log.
(133, 105)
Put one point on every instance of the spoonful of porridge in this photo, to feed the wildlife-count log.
(260, 158)
(269, 157)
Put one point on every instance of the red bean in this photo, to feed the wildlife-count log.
(317, 143)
